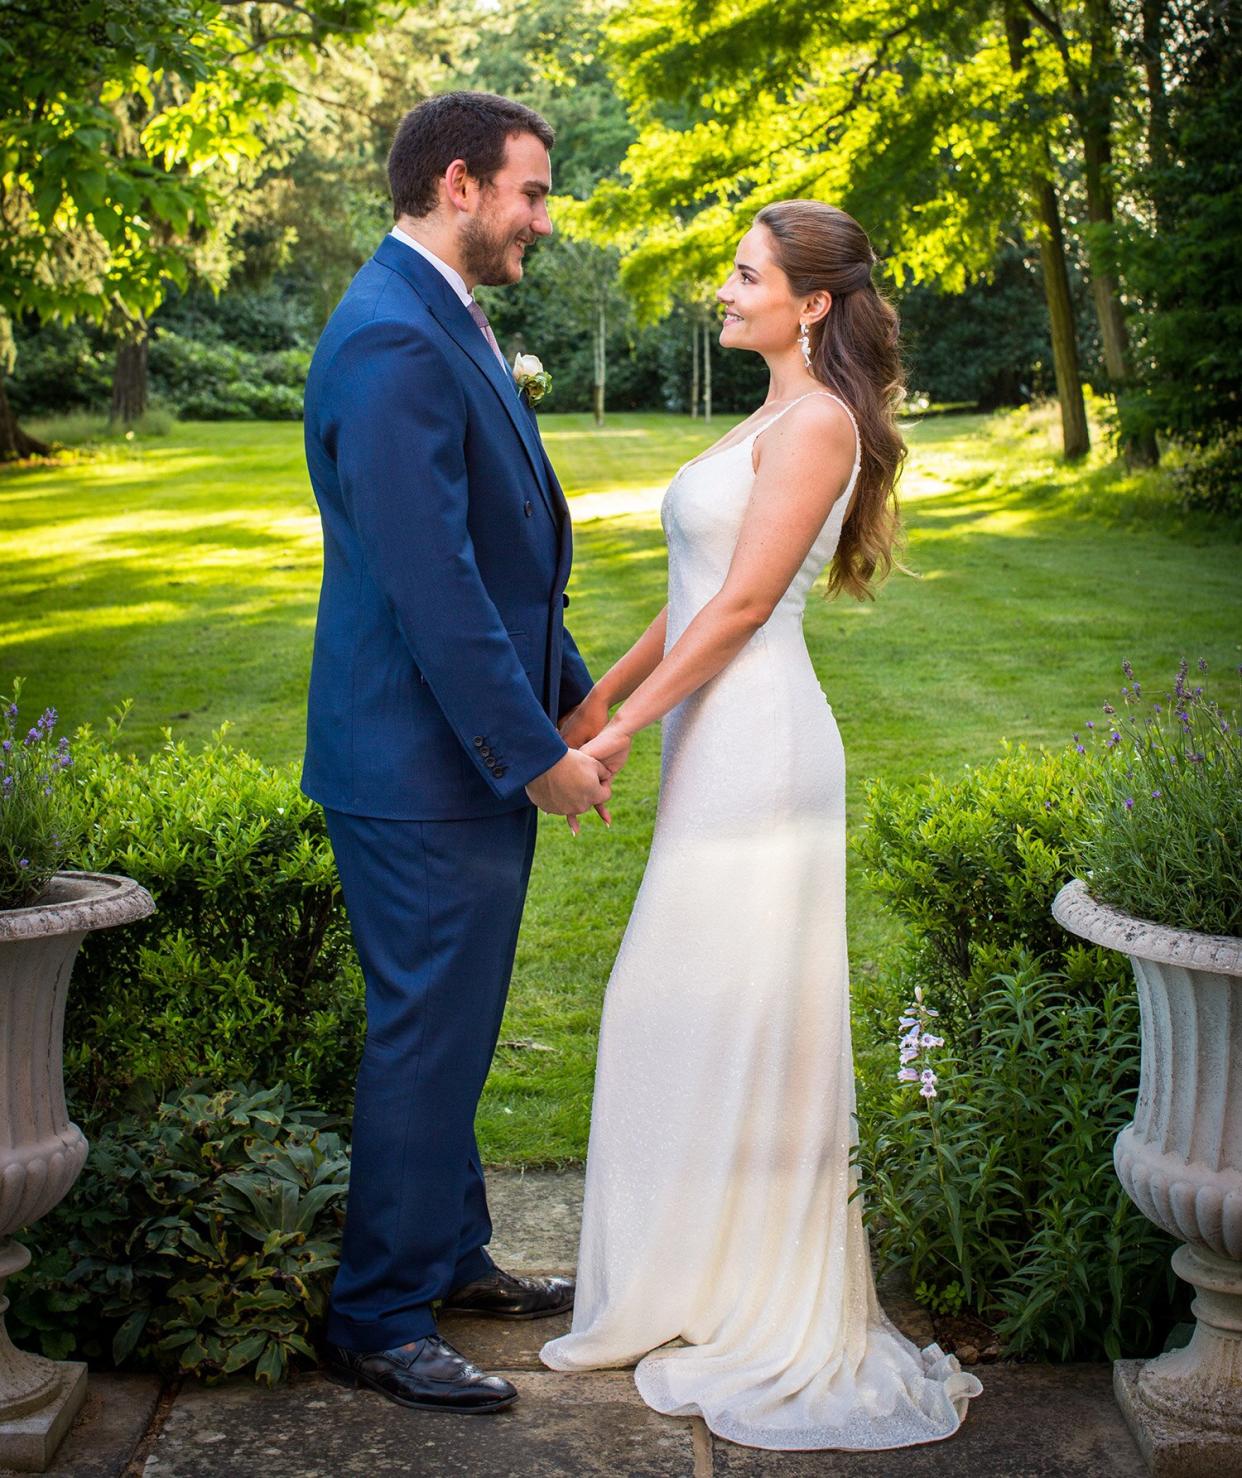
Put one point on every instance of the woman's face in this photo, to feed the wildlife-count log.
(761, 312)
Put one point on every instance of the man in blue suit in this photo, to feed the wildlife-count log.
(441, 668)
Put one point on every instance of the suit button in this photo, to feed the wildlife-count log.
(528, 508)
(498, 771)
(490, 762)
(484, 751)
(564, 601)
(478, 741)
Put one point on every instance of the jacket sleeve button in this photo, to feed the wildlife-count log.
(498, 771)
(478, 741)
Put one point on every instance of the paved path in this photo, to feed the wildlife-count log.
(1033, 1421)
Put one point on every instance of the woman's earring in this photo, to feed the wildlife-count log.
(804, 343)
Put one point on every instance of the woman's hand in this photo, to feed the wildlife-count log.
(611, 747)
(581, 724)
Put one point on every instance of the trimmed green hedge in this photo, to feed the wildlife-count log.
(245, 971)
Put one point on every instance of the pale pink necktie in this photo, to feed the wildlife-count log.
(481, 319)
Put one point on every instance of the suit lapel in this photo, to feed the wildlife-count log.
(450, 313)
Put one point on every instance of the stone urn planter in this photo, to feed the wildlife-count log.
(1180, 1162)
(41, 1151)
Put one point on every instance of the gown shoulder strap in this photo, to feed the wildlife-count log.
(832, 395)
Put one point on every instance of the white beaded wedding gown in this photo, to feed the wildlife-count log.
(718, 1180)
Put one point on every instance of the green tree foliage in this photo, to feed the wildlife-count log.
(119, 121)
(1189, 267)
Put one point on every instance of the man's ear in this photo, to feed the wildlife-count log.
(456, 178)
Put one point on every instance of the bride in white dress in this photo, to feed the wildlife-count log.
(719, 1207)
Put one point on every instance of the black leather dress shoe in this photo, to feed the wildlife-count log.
(500, 1295)
(428, 1375)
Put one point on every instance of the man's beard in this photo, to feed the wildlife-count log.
(485, 253)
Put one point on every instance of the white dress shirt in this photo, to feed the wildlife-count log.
(450, 274)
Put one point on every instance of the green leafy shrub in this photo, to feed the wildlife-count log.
(972, 864)
(1210, 477)
(1163, 834)
(217, 381)
(245, 970)
(997, 1192)
(200, 1239)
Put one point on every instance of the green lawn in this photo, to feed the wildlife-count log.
(182, 572)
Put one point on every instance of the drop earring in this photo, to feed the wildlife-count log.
(804, 343)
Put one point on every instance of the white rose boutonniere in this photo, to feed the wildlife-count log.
(533, 380)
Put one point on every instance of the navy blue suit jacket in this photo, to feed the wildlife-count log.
(441, 659)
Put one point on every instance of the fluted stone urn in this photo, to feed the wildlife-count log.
(41, 1151)
(1180, 1162)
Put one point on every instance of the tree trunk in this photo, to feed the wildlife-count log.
(707, 373)
(129, 380)
(694, 369)
(1075, 436)
(13, 440)
(601, 360)
(1095, 112)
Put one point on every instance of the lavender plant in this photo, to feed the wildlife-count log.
(1163, 826)
(38, 804)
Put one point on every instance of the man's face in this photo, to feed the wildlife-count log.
(512, 211)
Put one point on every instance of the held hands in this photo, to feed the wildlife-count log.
(576, 783)
(578, 727)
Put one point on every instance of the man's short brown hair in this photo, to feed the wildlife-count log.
(471, 126)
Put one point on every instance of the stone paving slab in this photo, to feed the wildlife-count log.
(496, 1344)
(536, 1215)
(108, 1429)
(310, 1428)
(1032, 1421)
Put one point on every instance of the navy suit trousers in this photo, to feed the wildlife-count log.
(434, 907)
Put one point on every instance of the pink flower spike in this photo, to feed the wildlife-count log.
(908, 1075)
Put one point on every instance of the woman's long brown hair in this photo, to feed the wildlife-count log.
(855, 352)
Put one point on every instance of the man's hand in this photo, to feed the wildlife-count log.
(581, 724)
(573, 785)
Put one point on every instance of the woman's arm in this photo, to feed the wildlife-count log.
(582, 723)
(803, 469)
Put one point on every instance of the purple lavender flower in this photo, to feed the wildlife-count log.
(1128, 670)
(1202, 664)
(1156, 795)
(1129, 803)
(25, 862)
